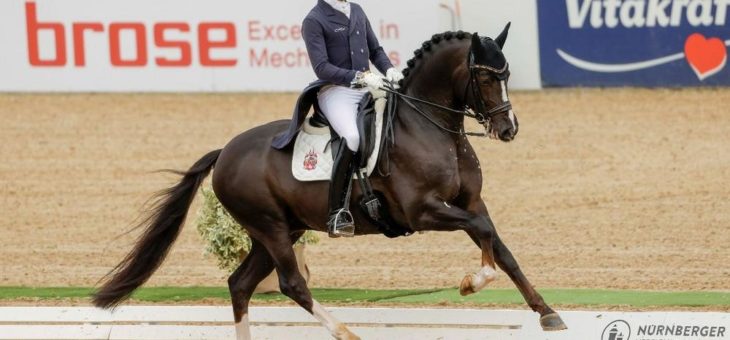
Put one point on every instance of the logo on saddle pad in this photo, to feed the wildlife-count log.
(310, 160)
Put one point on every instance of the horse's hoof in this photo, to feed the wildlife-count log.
(466, 286)
(343, 333)
(552, 322)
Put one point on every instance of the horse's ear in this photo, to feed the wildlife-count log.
(477, 48)
(475, 40)
(502, 38)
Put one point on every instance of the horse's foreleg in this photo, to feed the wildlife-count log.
(441, 216)
(475, 282)
(242, 283)
(549, 319)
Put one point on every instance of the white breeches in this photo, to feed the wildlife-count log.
(339, 105)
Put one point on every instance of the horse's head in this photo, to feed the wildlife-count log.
(486, 92)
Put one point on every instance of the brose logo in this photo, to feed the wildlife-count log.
(138, 30)
(165, 44)
(646, 13)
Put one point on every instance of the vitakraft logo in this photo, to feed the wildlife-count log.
(706, 56)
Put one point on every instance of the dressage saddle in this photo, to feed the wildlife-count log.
(371, 202)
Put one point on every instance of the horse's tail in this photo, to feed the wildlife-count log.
(163, 223)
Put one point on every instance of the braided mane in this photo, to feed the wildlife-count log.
(429, 45)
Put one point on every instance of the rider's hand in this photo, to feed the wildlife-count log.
(393, 75)
(369, 79)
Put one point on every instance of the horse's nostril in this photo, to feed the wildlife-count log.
(506, 134)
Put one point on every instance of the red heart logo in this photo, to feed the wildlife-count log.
(705, 56)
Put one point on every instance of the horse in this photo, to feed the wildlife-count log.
(433, 183)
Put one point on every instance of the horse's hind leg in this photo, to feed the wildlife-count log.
(242, 283)
(294, 286)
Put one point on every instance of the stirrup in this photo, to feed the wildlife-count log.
(341, 224)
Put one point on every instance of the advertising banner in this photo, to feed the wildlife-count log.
(645, 326)
(180, 45)
(634, 42)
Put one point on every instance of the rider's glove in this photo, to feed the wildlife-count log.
(393, 75)
(368, 79)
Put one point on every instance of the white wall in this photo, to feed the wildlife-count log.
(522, 50)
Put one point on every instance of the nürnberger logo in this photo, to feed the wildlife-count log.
(617, 330)
(621, 330)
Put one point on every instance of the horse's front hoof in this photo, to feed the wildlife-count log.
(466, 287)
(552, 322)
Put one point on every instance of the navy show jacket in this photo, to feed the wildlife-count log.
(338, 47)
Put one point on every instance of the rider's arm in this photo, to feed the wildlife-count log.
(317, 49)
(377, 53)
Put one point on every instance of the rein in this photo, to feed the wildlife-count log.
(473, 83)
(467, 113)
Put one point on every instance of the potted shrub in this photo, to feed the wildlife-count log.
(229, 243)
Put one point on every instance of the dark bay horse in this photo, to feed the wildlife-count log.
(434, 184)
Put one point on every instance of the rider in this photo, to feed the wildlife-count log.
(341, 44)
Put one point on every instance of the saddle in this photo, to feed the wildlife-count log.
(313, 139)
(313, 156)
(318, 125)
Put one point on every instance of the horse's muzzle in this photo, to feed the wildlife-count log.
(509, 131)
(508, 135)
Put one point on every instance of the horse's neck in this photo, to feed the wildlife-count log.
(434, 80)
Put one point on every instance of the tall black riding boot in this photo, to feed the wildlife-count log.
(340, 221)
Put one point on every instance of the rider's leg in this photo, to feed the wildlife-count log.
(339, 105)
(340, 221)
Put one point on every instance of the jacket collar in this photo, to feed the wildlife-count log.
(354, 19)
(333, 15)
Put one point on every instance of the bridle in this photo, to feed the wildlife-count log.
(481, 115)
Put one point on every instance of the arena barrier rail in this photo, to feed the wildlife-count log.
(201, 322)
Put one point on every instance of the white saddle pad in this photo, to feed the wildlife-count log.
(312, 158)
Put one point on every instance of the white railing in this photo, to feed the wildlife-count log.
(176, 322)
